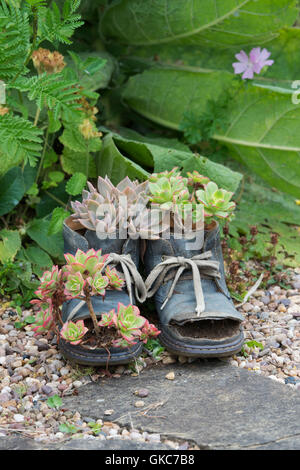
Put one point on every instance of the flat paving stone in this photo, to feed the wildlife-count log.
(19, 443)
(211, 403)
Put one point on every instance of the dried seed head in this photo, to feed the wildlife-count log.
(47, 61)
(253, 230)
(274, 238)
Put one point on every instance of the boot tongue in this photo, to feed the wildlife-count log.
(188, 246)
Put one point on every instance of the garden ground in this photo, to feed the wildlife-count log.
(166, 403)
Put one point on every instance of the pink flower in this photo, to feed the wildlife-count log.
(253, 64)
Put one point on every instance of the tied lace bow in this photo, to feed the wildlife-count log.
(131, 274)
(197, 264)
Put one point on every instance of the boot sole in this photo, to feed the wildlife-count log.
(99, 357)
(179, 348)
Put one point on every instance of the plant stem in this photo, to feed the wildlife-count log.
(37, 115)
(92, 313)
(56, 199)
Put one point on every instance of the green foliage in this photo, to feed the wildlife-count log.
(76, 184)
(14, 38)
(52, 92)
(95, 427)
(20, 141)
(222, 22)
(68, 428)
(16, 283)
(60, 26)
(154, 347)
(54, 402)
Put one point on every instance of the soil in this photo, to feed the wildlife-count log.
(104, 340)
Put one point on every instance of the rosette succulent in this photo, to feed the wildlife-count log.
(44, 320)
(129, 322)
(74, 285)
(169, 191)
(115, 281)
(148, 331)
(196, 179)
(98, 284)
(111, 209)
(217, 202)
(87, 264)
(50, 281)
(73, 332)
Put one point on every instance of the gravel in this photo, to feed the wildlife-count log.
(32, 370)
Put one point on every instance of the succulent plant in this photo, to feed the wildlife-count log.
(112, 209)
(195, 178)
(217, 202)
(108, 319)
(74, 285)
(49, 282)
(164, 174)
(148, 331)
(129, 321)
(44, 320)
(115, 282)
(169, 191)
(73, 332)
(98, 283)
(87, 264)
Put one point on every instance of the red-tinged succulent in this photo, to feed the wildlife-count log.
(164, 174)
(87, 264)
(129, 322)
(98, 284)
(73, 332)
(148, 331)
(44, 320)
(115, 281)
(108, 319)
(195, 178)
(74, 285)
(50, 281)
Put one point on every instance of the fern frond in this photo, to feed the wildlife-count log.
(57, 26)
(14, 38)
(52, 92)
(19, 141)
(36, 3)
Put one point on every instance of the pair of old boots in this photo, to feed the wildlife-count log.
(185, 276)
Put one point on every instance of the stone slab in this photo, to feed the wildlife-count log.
(211, 403)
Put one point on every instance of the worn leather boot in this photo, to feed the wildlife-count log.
(124, 256)
(196, 314)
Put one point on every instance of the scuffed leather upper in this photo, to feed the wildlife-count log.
(181, 306)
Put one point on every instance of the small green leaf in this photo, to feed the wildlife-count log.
(29, 320)
(10, 244)
(57, 219)
(68, 428)
(54, 402)
(76, 184)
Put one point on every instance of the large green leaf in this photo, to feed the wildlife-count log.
(208, 58)
(12, 189)
(223, 22)
(93, 69)
(76, 162)
(264, 134)
(116, 166)
(164, 95)
(263, 130)
(38, 232)
(164, 154)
